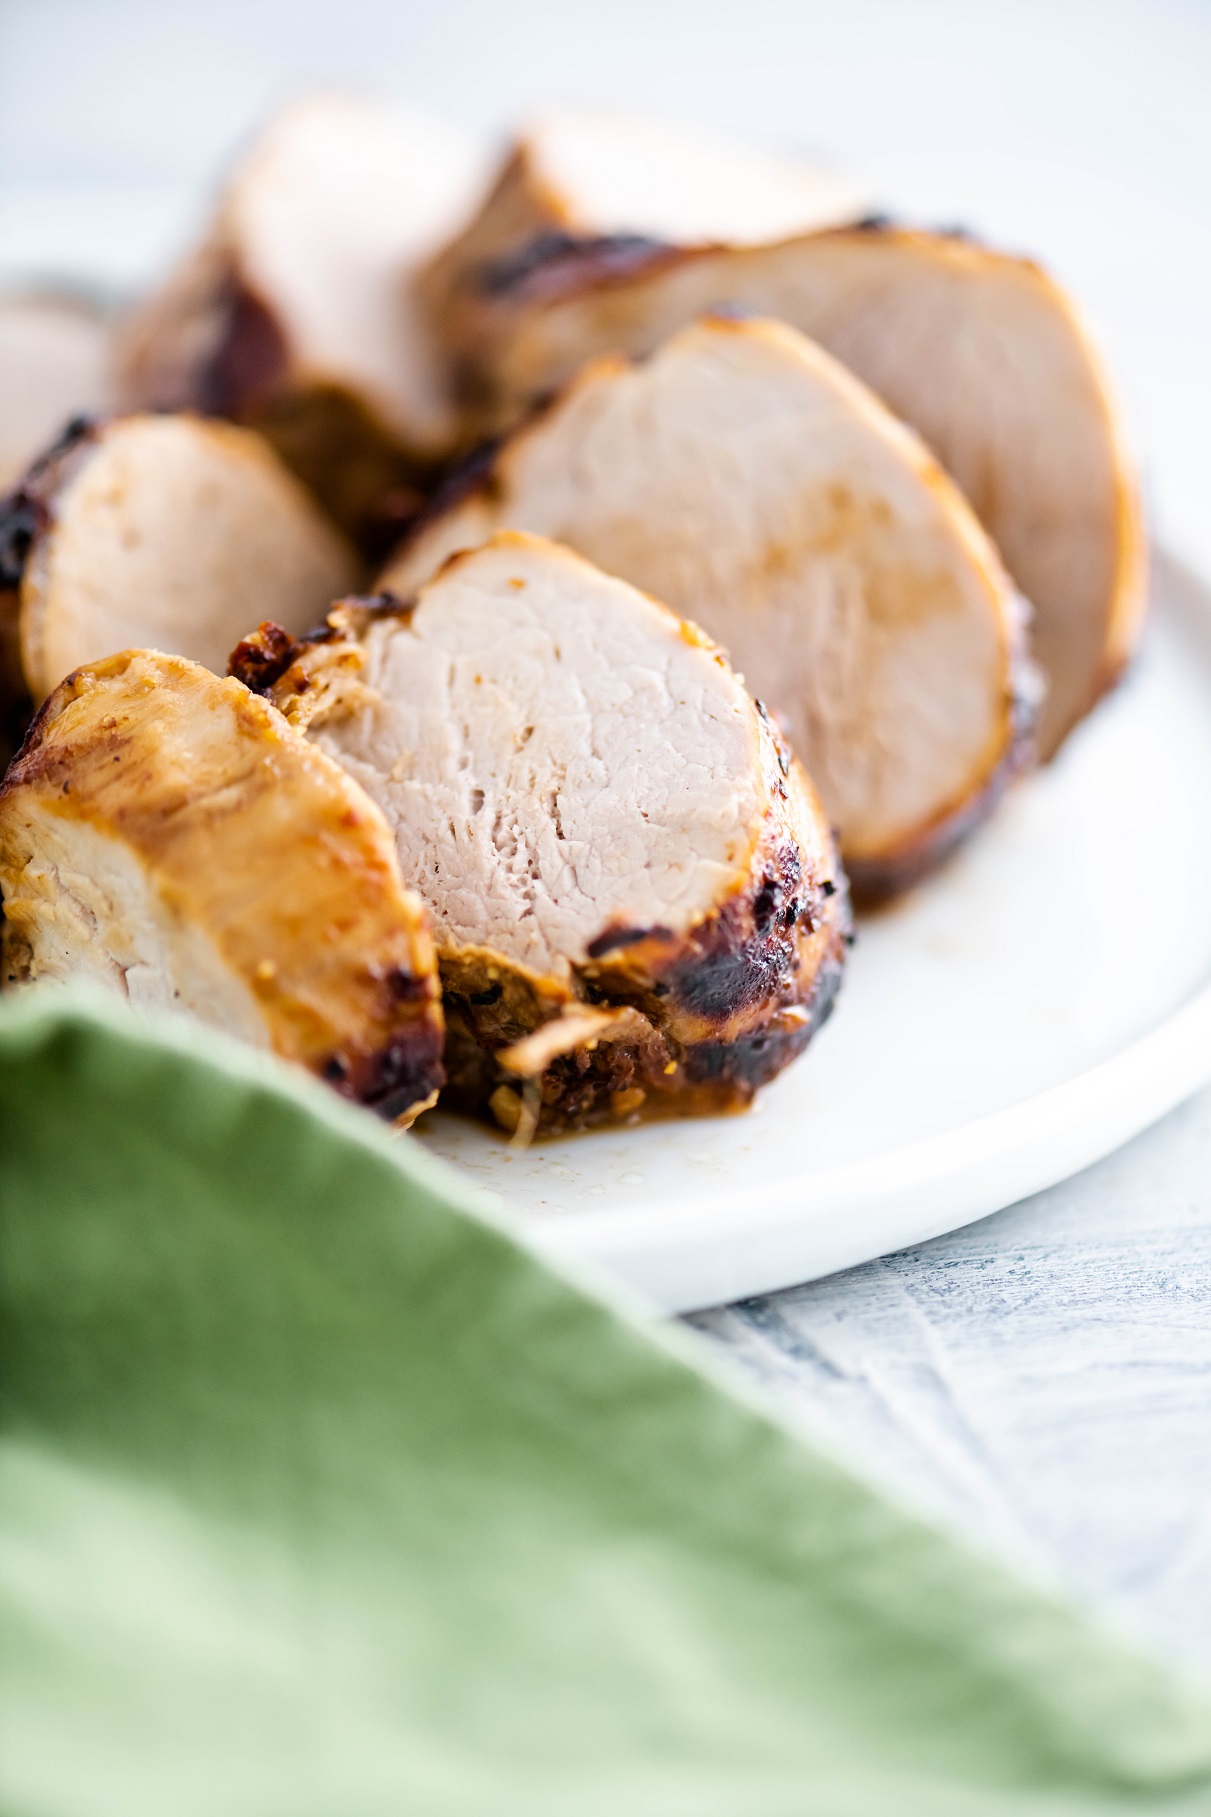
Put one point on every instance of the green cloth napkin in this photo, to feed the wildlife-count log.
(319, 1497)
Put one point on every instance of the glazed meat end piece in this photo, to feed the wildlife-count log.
(163, 532)
(747, 479)
(167, 835)
(636, 900)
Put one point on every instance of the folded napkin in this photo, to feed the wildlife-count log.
(319, 1497)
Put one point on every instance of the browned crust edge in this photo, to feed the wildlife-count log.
(727, 1008)
(401, 1077)
(27, 513)
(634, 1081)
(554, 267)
(555, 263)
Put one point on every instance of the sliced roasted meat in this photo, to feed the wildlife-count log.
(624, 190)
(745, 477)
(159, 531)
(297, 313)
(167, 835)
(634, 893)
(981, 353)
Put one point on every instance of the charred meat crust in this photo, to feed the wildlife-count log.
(877, 881)
(26, 513)
(577, 1091)
(742, 1066)
(28, 510)
(728, 1006)
(261, 659)
(554, 264)
(730, 968)
(404, 1075)
(16, 703)
(657, 1075)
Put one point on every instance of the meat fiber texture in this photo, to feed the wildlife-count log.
(981, 353)
(166, 835)
(634, 891)
(297, 313)
(162, 532)
(749, 480)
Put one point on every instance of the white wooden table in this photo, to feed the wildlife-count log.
(1040, 1380)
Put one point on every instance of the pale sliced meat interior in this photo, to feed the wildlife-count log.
(983, 354)
(175, 534)
(557, 753)
(745, 478)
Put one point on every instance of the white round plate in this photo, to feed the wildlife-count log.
(1034, 1006)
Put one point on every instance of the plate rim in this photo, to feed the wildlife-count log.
(911, 1193)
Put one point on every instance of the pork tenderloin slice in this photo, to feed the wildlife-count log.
(298, 312)
(595, 813)
(164, 532)
(164, 833)
(983, 354)
(745, 477)
(629, 187)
